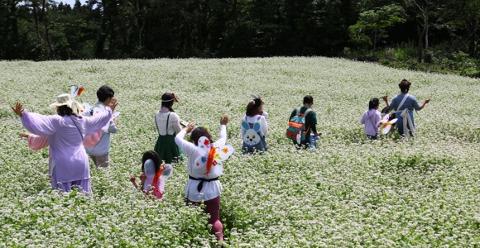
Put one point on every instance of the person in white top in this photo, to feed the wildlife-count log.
(254, 127)
(168, 125)
(204, 168)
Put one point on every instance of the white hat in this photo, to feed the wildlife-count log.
(66, 100)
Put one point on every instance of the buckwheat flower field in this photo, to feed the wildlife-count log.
(349, 192)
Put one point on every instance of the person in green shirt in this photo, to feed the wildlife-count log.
(310, 122)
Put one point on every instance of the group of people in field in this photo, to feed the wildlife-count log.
(401, 107)
(75, 133)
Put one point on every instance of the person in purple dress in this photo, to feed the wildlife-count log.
(65, 132)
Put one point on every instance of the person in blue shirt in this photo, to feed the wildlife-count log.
(100, 152)
(403, 106)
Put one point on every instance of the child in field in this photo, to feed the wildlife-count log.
(168, 125)
(254, 127)
(302, 125)
(371, 119)
(99, 153)
(154, 175)
(204, 168)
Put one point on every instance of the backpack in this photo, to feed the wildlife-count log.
(253, 139)
(296, 130)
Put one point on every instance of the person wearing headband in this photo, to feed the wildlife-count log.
(167, 123)
(66, 132)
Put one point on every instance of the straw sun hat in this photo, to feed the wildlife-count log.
(66, 100)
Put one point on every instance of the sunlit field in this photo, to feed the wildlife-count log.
(349, 192)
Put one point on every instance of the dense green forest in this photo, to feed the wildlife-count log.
(426, 34)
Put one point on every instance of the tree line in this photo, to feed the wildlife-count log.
(45, 29)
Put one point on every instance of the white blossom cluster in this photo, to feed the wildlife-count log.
(349, 192)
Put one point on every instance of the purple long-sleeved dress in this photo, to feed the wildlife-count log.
(65, 140)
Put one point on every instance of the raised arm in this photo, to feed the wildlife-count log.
(186, 146)
(223, 131)
(223, 136)
(39, 124)
(96, 122)
(417, 107)
(385, 99)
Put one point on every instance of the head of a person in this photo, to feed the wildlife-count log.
(168, 99)
(373, 103)
(404, 86)
(105, 94)
(152, 155)
(308, 100)
(199, 132)
(66, 106)
(254, 107)
(64, 110)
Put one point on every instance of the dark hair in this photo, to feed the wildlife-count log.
(104, 92)
(404, 86)
(153, 156)
(167, 100)
(199, 132)
(308, 99)
(373, 103)
(64, 110)
(253, 107)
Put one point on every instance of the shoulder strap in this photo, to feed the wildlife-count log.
(402, 102)
(156, 124)
(79, 131)
(307, 112)
(298, 111)
(168, 119)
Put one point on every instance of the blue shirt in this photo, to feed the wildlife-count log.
(103, 145)
(410, 103)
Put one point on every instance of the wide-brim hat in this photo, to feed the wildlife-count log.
(66, 100)
(63, 100)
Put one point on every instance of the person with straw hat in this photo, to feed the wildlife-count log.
(168, 126)
(66, 131)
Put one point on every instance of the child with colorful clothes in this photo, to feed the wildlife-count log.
(204, 168)
(154, 175)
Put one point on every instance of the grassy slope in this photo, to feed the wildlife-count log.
(348, 192)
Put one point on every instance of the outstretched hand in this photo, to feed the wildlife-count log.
(23, 135)
(18, 109)
(224, 120)
(385, 98)
(427, 101)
